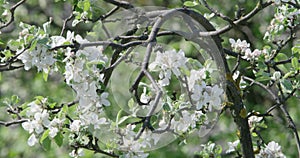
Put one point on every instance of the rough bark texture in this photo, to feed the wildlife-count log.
(233, 94)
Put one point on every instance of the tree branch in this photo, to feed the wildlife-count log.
(258, 8)
(13, 122)
(12, 11)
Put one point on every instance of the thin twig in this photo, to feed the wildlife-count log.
(65, 23)
(291, 125)
(13, 122)
(236, 66)
(122, 4)
(275, 98)
(258, 8)
(103, 17)
(12, 11)
(224, 17)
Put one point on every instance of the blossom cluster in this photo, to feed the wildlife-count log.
(174, 63)
(83, 72)
(284, 17)
(38, 54)
(271, 150)
(83, 75)
(39, 57)
(39, 121)
(180, 117)
(197, 95)
(244, 48)
(168, 62)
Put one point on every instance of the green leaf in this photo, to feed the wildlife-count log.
(65, 109)
(288, 74)
(262, 125)
(52, 105)
(123, 119)
(14, 45)
(295, 63)
(261, 65)
(131, 103)
(45, 141)
(43, 41)
(166, 107)
(75, 22)
(296, 49)
(7, 54)
(59, 139)
(254, 134)
(86, 5)
(281, 56)
(44, 136)
(262, 76)
(15, 99)
(119, 116)
(190, 3)
(46, 144)
(45, 76)
(218, 149)
(286, 85)
(39, 99)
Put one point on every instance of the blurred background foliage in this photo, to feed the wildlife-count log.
(28, 84)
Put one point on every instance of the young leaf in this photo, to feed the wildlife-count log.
(46, 144)
(45, 76)
(44, 136)
(295, 63)
(190, 3)
(59, 139)
(286, 85)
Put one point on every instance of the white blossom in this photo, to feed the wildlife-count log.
(53, 132)
(215, 97)
(77, 153)
(103, 99)
(197, 91)
(239, 46)
(135, 155)
(168, 62)
(92, 118)
(85, 140)
(57, 41)
(195, 76)
(39, 120)
(272, 150)
(28, 126)
(32, 140)
(144, 97)
(75, 126)
(232, 146)
(188, 120)
(235, 76)
(254, 119)
(249, 55)
(276, 76)
(39, 57)
(243, 48)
